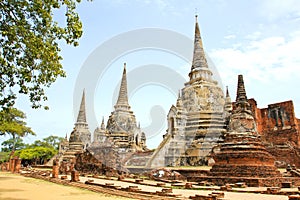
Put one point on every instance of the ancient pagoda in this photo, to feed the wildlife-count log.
(100, 134)
(121, 127)
(242, 156)
(81, 125)
(196, 123)
(80, 137)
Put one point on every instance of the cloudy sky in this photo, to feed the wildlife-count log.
(259, 39)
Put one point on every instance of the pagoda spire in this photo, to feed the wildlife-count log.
(81, 118)
(122, 101)
(227, 92)
(102, 124)
(179, 101)
(199, 60)
(199, 67)
(241, 96)
(241, 92)
(228, 103)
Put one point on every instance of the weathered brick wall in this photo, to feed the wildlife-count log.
(279, 129)
(139, 158)
(285, 156)
(98, 161)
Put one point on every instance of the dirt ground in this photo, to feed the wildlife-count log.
(16, 187)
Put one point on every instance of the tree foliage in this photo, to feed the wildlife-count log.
(10, 144)
(4, 157)
(12, 123)
(50, 142)
(39, 151)
(37, 154)
(29, 50)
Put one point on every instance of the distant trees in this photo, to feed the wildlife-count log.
(50, 141)
(12, 123)
(10, 144)
(39, 152)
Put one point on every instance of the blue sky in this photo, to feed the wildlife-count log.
(259, 39)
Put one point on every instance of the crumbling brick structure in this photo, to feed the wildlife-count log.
(280, 131)
(99, 160)
(242, 156)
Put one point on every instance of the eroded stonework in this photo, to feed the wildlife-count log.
(121, 129)
(242, 154)
(196, 124)
(279, 130)
(79, 140)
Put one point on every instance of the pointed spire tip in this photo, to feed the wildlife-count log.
(227, 92)
(123, 98)
(81, 117)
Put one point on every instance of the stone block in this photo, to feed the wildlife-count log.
(139, 180)
(166, 190)
(133, 188)
(120, 178)
(273, 190)
(219, 194)
(188, 185)
(294, 197)
(240, 185)
(286, 184)
(160, 184)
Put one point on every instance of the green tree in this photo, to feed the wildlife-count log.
(49, 142)
(8, 145)
(53, 141)
(29, 53)
(36, 155)
(12, 123)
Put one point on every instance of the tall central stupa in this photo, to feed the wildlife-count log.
(196, 123)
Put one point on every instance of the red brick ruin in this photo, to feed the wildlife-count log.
(280, 131)
(242, 154)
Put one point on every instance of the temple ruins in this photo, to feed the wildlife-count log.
(203, 127)
(197, 122)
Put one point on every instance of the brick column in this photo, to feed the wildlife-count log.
(12, 165)
(17, 165)
(55, 168)
(6, 166)
(74, 176)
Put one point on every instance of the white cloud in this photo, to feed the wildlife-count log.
(231, 36)
(265, 60)
(254, 35)
(278, 9)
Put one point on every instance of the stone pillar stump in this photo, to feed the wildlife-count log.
(55, 168)
(17, 165)
(74, 176)
(12, 165)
